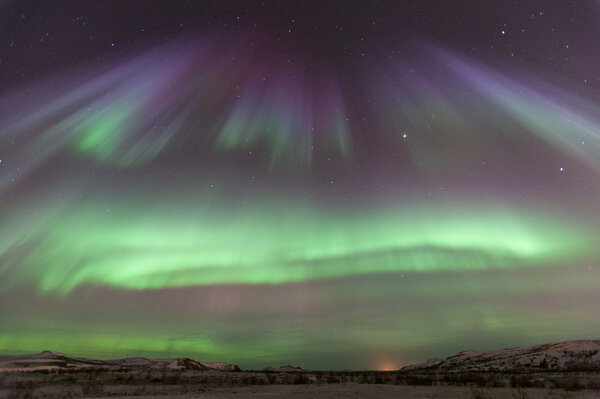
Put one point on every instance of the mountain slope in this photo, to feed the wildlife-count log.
(560, 356)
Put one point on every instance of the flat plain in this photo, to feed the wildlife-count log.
(323, 391)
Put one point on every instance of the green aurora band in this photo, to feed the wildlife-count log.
(147, 246)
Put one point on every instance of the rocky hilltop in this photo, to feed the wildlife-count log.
(560, 356)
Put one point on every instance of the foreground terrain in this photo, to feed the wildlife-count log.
(562, 370)
(324, 391)
(350, 390)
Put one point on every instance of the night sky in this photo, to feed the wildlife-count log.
(331, 184)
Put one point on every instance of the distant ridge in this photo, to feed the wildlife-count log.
(50, 360)
(283, 368)
(574, 355)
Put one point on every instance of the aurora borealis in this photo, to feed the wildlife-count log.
(335, 185)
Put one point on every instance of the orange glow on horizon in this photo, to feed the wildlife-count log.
(387, 365)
